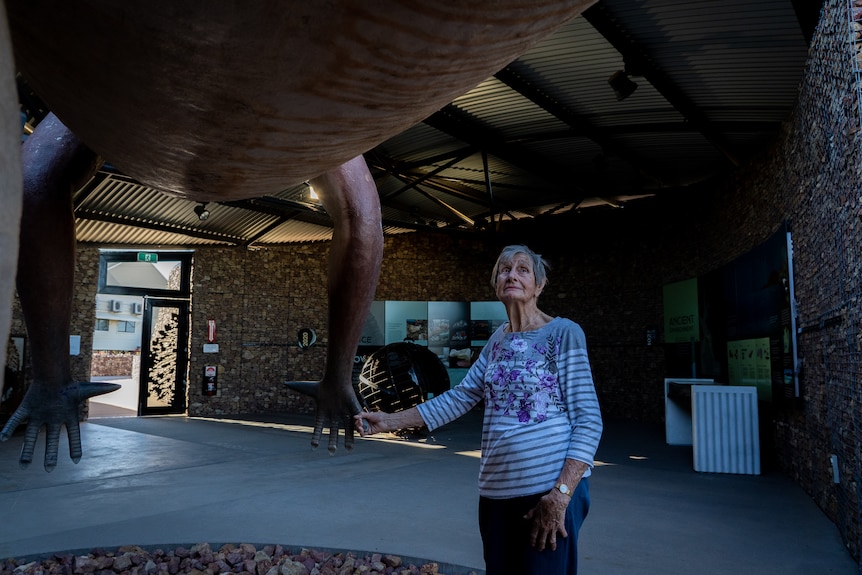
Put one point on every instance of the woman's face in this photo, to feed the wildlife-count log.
(516, 280)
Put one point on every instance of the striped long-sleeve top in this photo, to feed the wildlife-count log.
(540, 407)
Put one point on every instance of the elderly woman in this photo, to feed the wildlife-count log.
(541, 426)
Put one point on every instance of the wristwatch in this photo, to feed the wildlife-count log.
(564, 489)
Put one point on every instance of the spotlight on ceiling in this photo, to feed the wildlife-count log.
(622, 85)
(202, 211)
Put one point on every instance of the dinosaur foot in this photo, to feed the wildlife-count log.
(51, 408)
(336, 406)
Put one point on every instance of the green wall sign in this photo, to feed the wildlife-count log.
(681, 318)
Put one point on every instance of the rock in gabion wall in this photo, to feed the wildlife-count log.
(259, 299)
(108, 364)
(83, 310)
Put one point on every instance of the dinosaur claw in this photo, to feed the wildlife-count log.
(309, 388)
(88, 389)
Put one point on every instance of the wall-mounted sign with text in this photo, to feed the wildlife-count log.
(681, 317)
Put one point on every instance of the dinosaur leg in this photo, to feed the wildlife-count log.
(350, 197)
(54, 164)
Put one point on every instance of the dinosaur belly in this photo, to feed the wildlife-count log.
(230, 100)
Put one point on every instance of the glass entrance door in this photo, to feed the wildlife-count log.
(164, 357)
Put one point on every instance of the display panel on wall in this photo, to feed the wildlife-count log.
(681, 320)
(454, 331)
(746, 321)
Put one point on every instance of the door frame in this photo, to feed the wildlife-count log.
(180, 297)
(179, 404)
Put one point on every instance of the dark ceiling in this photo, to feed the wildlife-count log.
(713, 80)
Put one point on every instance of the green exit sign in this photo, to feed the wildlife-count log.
(148, 257)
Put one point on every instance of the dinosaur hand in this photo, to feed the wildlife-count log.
(336, 406)
(51, 408)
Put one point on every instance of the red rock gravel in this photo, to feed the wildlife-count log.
(201, 559)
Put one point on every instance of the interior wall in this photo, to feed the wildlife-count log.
(260, 299)
(816, 173)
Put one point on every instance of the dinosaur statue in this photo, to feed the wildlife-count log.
(217, 101)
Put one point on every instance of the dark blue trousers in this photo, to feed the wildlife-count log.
(506, 536)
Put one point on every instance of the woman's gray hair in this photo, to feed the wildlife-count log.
(540, 266)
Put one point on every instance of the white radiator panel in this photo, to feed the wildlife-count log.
(725, 429)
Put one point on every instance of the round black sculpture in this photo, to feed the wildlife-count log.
(399, 376)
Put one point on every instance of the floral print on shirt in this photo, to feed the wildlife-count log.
(522, 378)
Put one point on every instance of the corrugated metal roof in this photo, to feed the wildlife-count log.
(715, 78)
(109, 234)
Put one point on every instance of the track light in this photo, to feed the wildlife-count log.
(622, 85)
(202, 211)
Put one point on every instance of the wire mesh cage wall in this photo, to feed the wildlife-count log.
(399, 376)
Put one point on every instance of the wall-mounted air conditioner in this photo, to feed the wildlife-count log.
(138, 308)
(116, 305)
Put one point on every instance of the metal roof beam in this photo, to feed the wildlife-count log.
(465, 153)
(278, 207)
(253, 239)
(462, 189)
(459, 217)
(461, 153)
(514, 80)
(453, 189)
(740, 127)
(157, 226)
(458, 124)
(639, 63)
(451, 209)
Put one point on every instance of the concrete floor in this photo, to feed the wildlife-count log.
(178, 480)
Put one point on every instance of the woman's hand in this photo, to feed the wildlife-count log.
(548, 517)
(370, 422)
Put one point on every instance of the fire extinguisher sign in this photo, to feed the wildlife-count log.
(210, 383)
